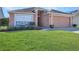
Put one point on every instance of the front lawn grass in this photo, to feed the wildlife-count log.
(39, 40)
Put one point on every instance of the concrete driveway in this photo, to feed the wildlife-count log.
(67, 29)
(74, 30)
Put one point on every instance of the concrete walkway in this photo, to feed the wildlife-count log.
(67, 29)
(76, 32)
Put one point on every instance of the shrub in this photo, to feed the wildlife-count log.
(51, 26)
(20, 28)
(31, 23)
(4, 21)
(29, 28)
(11, 28)
(74, 25)
(37, 28)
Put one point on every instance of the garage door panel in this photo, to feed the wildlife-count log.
(22, 19)
(61, 21)
(26, 17)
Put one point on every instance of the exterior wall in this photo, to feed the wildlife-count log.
(76, 19)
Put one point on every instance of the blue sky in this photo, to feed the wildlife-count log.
(64, 9)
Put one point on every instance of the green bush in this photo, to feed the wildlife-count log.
(51, 26)
(4, 21)
(20, 28)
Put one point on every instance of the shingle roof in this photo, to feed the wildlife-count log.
(74, 11)
(27, 9)
(39, 8)
(53, 10)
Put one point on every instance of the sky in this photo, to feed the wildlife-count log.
(64, 9)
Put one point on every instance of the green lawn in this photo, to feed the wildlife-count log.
(39, 40)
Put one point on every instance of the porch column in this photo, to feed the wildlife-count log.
(49, 15)
(71, 20)
(50, 18)
(36, 17)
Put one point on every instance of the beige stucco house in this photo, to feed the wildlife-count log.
(41, 17)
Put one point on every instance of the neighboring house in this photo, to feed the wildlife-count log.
(76, 17)
(41, 17)
(1, 13)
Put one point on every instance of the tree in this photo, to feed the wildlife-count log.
(4, 21)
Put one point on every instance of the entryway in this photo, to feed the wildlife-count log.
(40, 18)
(43, 19)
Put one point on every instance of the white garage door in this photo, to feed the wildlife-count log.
(22, 19)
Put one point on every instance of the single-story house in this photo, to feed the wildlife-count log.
(40, 16)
